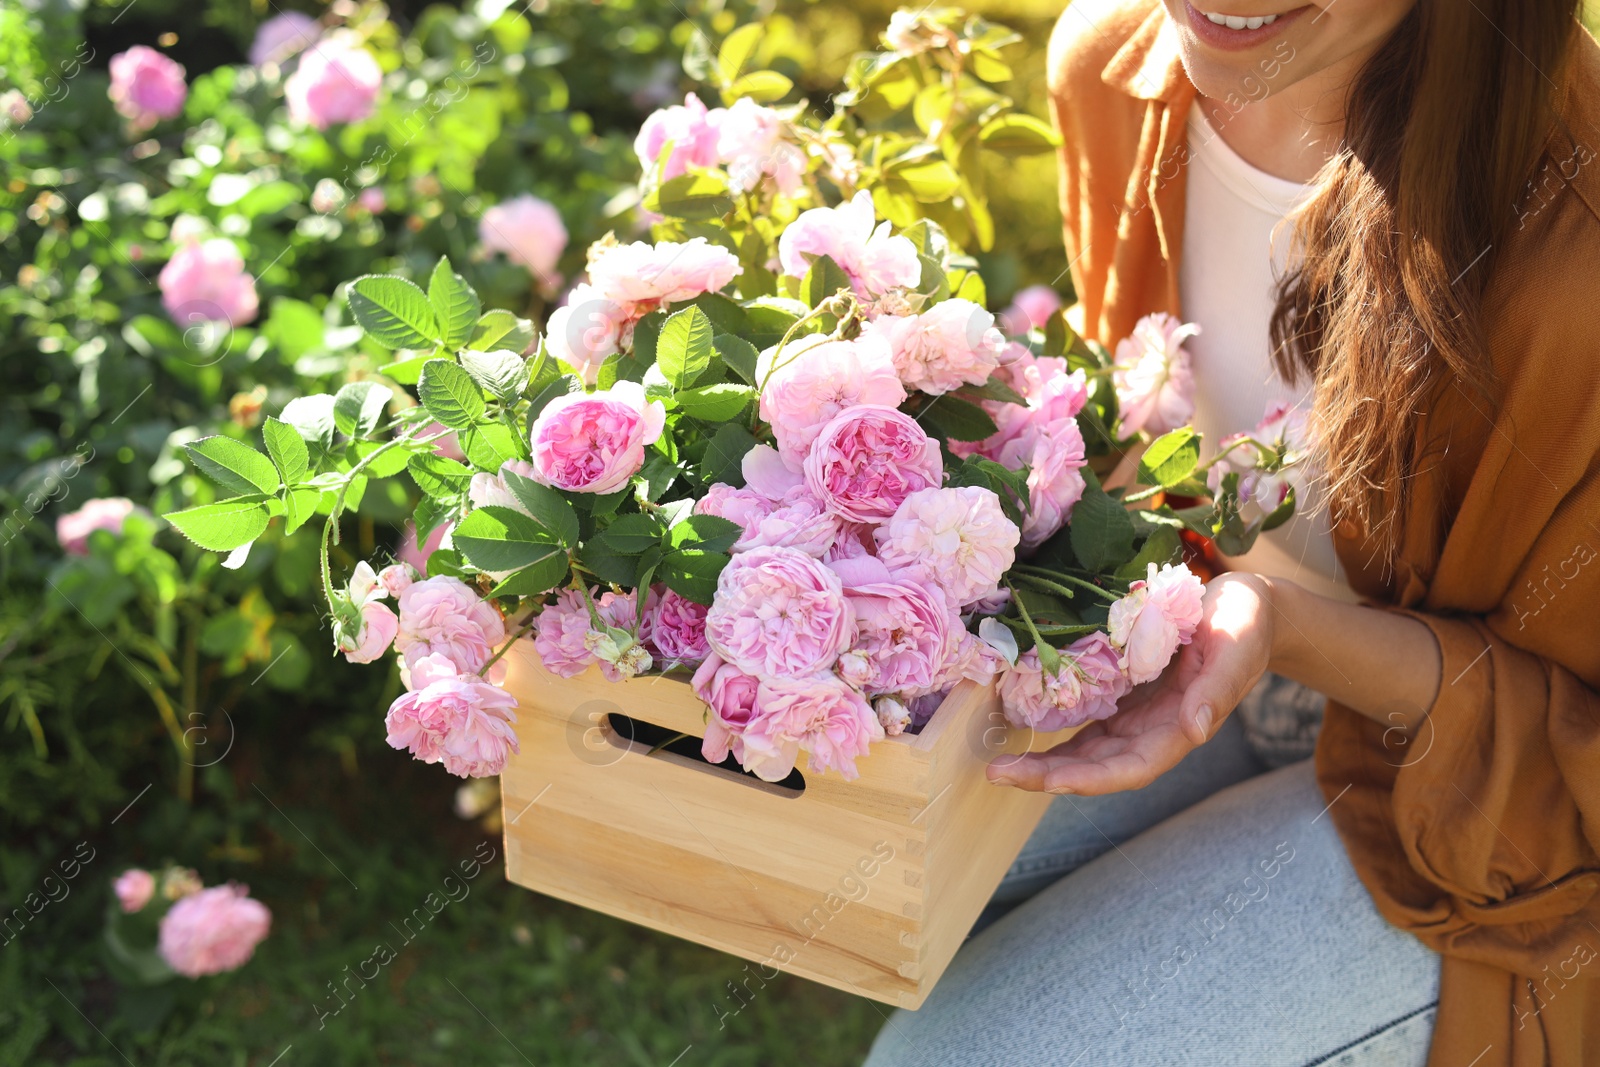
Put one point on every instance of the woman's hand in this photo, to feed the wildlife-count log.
(1162, 721)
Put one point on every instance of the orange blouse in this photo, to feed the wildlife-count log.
(1481, 834)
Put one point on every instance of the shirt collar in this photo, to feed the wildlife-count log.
(1149, 66)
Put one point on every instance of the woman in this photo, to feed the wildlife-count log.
(1383, 210)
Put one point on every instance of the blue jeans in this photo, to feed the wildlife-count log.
(1209, 919)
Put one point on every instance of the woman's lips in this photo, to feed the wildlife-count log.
(1235, 33)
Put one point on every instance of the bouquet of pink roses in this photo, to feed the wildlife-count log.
(781, 448)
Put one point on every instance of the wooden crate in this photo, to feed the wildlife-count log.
(869, 886)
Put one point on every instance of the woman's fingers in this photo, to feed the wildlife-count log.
(1227, 671)
(1093, 766)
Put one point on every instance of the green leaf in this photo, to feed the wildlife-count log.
(631, 534)
(929, 180)
(234, 465)
(716, 403)
(502, 329)
(708, 533)
(312, 417)
(298, 506)
(1171, 458)
(287, 449)
(762, 86)
(724, 457)
(684, 350)
(490, 445)
(740, 355)
(994, 389)
(825, 279)
(560, 386)
(455, 304)
(768, 319)
(404, 371)
(692, 574)
(389, 461)
(549, 508)
(221, 527)
(957, 419)
(1101, 531)
(691, 197)
(1018, 135)
(504, 539)
(502, 371)
(359, 406)
(1162, 546)
(736, 50)
(438, 476)
(973, 289)
(450, 394)
(531, 581)
(618, 568)
(656, 477)
(394, 312)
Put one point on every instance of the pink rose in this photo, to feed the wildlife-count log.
(205, 281)
(568, 642)
(336, 82)
(875, 261)
(1030, 310)
(957, 538)
(1158, 615)
(778, 613)
(734, 725)
(373, 200)
(397, 578)
(853, 542)
(282, 37)
(103, 513)
(1054, 455)
(906, 631)
(134, 888)
(595, 442)
(587, 329)
(1266, 476)
(798, 520)
(146, 86)
(562, 636)
(646, 276)
(213, 931)
(1087, 687)
(832, 722)
(689, 128)
(817, 379)
(868, 459)
(416, 556)
(454, 718)
(378, 629)
(953, 343)
(528, 230)
(678, 629)
(447, 617)
(1155, 386)
(754, 142)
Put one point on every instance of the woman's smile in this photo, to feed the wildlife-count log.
(1234, 32)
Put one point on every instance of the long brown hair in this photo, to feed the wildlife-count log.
(1443, 126)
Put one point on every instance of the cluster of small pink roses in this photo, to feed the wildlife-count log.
(748, 140)
(205, 931)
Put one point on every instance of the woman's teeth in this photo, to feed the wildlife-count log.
(1239, 22)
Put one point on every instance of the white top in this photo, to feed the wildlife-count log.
(1235, 245)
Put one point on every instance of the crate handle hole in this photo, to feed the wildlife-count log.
(631, 734)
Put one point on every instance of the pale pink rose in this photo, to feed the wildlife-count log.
(453, 717)
(912, 32)
(953, 343)
(562, 636)
(205, 281)
(798, 521)
(765, 472)
(283, 36)
(327, 197)
(893, 715)
(1030, 310)
(1054, 455)
(588, 329)
(397, 578)
(1158, 616)
(854, 541)
(378, 629)
(528, 230)
(595, 442)
(620, 610)
(868, 459)
(213, 931)
(445, 616)
(134, 888)
(1087, 687)
(957, 538)
(875, 261)
(975, 661)
(373, 200)
(416, 556)
(906, 631)
(692, 131)
(336, 82)
(490, 489)
(678, 629)
(1153, 379)
(103, 513)
(734, 725)
(646, 276)
(832, 722)
(779, 613)
(1266, 476)
(754, 142)
(816, 379)
(146, 86)
(15, 107)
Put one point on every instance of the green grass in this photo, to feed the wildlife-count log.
(499, 976)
